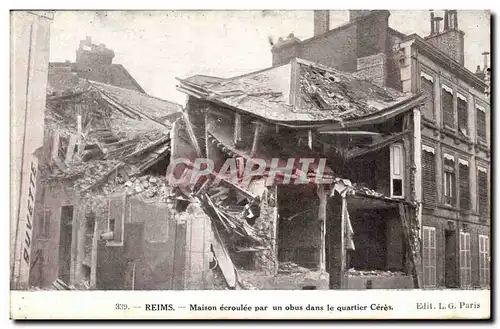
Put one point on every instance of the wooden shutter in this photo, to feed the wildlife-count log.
(428, 90)
(429, 175)
(465, 260)
(463, 180)
(462, 115)
(481, 125)
(429, 256)
(482, 181)
(447, 106)
(484, 271)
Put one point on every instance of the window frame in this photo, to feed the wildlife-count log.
(401, 168)
(449, 184)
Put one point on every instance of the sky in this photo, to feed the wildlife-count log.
(158, 46)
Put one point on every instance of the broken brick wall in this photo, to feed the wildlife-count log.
(393, 61)
(334, 49)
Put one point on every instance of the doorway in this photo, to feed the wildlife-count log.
(65, 239)
(450, 265)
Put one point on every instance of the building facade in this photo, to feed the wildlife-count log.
(306, 111)
(30, 34)
(455, 128)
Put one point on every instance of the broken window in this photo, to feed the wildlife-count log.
(429, 256)
(481, 124)
(462, 114)
(397, 170)
(484, 261)
(429, 174)
(237, 129)
(482, 181)
(447, 107)
(465, 261)
(463, 180)
(427, 86)
(449, 179)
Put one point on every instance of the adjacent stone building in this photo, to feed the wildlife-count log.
(30, 35)
(456, 140)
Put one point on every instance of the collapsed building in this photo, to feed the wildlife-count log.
(356, 225)
(101, 179)
(109, 218)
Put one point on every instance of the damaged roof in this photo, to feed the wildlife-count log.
(300, 91)
(114, 74)
(118, 133)
(149, 106)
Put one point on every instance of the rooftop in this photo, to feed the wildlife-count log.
(300, 92)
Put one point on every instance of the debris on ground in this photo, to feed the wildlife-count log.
(379, 273)
(60, 285)
(284, 281)
(289, 268)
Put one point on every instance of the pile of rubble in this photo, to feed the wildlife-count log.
(289, 268)
(87, 174)
(360, 188)
(148, 186)
(58, 284)
(378, 273)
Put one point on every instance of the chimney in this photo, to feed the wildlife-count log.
(89, 54)
(372, 36)
(485, 56)
(321, 21)
(486, 72)
(437, 24)
(450, 40)
(432, 22)
(479, 73)
(284, 50)
(355, 14)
